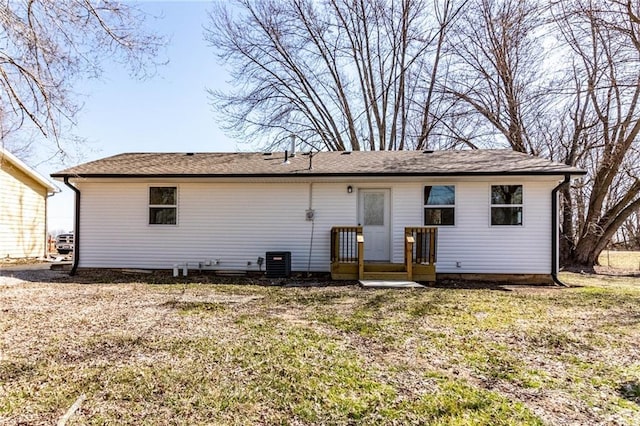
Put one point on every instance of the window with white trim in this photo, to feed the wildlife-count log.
(163, 205)
(439, 205)
(506, 205)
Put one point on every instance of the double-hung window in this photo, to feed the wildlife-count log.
(163, 205)
(439, 205)
(506, 205)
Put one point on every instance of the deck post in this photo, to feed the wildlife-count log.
(360, 239)
(432, 246)
(335, 245)
(408, 250)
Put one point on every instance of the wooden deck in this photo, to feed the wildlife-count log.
(347, 256)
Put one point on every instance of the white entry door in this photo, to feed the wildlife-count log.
(374, 217)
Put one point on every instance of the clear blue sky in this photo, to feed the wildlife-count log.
(169, 112)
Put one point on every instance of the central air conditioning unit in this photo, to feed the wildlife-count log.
(278, 264)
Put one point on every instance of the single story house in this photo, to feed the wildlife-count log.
(354, 214)
(23, 209)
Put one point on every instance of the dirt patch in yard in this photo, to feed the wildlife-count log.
(104, 276)
(112, 276)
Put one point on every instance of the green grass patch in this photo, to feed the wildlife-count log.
(454, 400)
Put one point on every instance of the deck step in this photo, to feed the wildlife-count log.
(385, 267)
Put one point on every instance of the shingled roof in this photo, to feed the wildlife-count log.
(357, 163)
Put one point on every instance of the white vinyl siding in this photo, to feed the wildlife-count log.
(22, 214)
(482, 248)
(233, 222)
(238, 222)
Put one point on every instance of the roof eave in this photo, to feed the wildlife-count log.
(50, 187)
(299, 175)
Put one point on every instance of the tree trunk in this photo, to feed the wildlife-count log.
(567, 243)
(585, 255)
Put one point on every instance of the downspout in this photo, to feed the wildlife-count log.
(46, 222)
(554, 230)
(76, 228)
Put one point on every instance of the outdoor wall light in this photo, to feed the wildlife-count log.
(349, 189)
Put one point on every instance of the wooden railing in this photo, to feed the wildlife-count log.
(347, 252)
(424, 248)
(344, 243)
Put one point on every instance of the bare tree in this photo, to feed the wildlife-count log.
(628, 236)
(589, 119)
(496, 72)
(46, 45)
(341, 74)
(604, 39)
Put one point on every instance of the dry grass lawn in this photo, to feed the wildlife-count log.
(621, 260)
(194, 353)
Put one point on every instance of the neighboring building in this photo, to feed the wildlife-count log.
(493, 209)
(23, 209)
